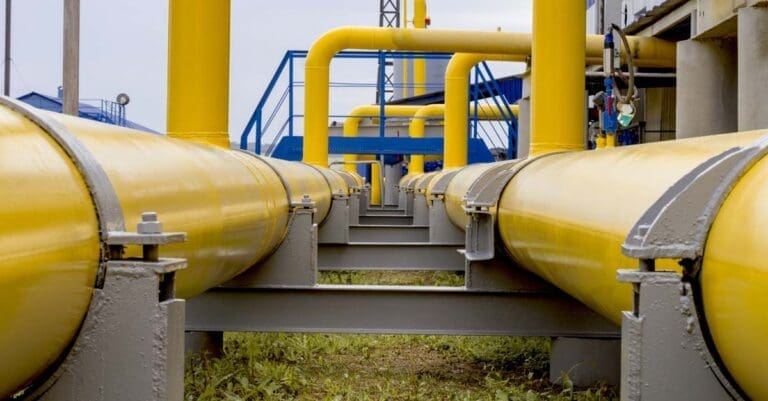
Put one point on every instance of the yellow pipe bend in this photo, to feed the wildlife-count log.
(351, 129)
(352, 122)
(417, 127)
(317, 66)
(456, 100)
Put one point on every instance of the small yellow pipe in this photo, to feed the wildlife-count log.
(351, 127)
(198, 71)
(417, 126)
(352, 122)
(648, 52)
(375, 184)
(419, 64)
(557, 76)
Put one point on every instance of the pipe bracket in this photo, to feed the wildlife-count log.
(677, 224)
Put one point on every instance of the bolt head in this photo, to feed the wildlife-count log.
(149, 224)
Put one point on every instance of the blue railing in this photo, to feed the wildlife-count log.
(277, 107)
(258, 126)
(486, 82)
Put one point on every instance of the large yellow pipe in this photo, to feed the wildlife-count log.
(233, 207)
(557, 76)
(560, 220)
(647, 51)
(417, 126)
(198, 71)
(419, 64)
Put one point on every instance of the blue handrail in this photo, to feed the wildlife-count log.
(256, 124)
(484, 77)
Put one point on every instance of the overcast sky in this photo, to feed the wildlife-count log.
(123, 46)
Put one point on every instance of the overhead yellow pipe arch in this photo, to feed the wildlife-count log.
(456, 99)
(647, 51)
(416, 128)
(351, 128)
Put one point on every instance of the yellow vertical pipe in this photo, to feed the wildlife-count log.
(557, 76)
(456, 99)
(375, 184)
(198, 71)
(352, 125)
(419, 64)
(405, 60)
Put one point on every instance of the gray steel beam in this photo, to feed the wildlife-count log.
(391, 256)
(396, 310)
(384, 212)
(388, 219)
(386, 233)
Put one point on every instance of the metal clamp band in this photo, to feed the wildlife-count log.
(677, 224)
(109, 213)
(273, 168)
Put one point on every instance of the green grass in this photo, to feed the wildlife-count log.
(336, 367)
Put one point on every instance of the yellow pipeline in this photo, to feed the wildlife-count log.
(560, 220)
(557, 76)
(232, 206)
(456, 99)
(419, 64)
(417, 126)
(648, 52)
(198, 71)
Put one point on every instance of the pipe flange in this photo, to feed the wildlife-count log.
(273, 168)
(109, 213)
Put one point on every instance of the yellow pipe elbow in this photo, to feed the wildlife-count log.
(322, 51)
(198, 71)
(457, 74)
(417, 126)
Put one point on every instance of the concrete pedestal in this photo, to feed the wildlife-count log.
(752, 71)
(586, 361)
(392, 175)
(706, 87)
(210, 343)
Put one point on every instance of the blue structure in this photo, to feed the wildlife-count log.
(500, 137)
(107, 112)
